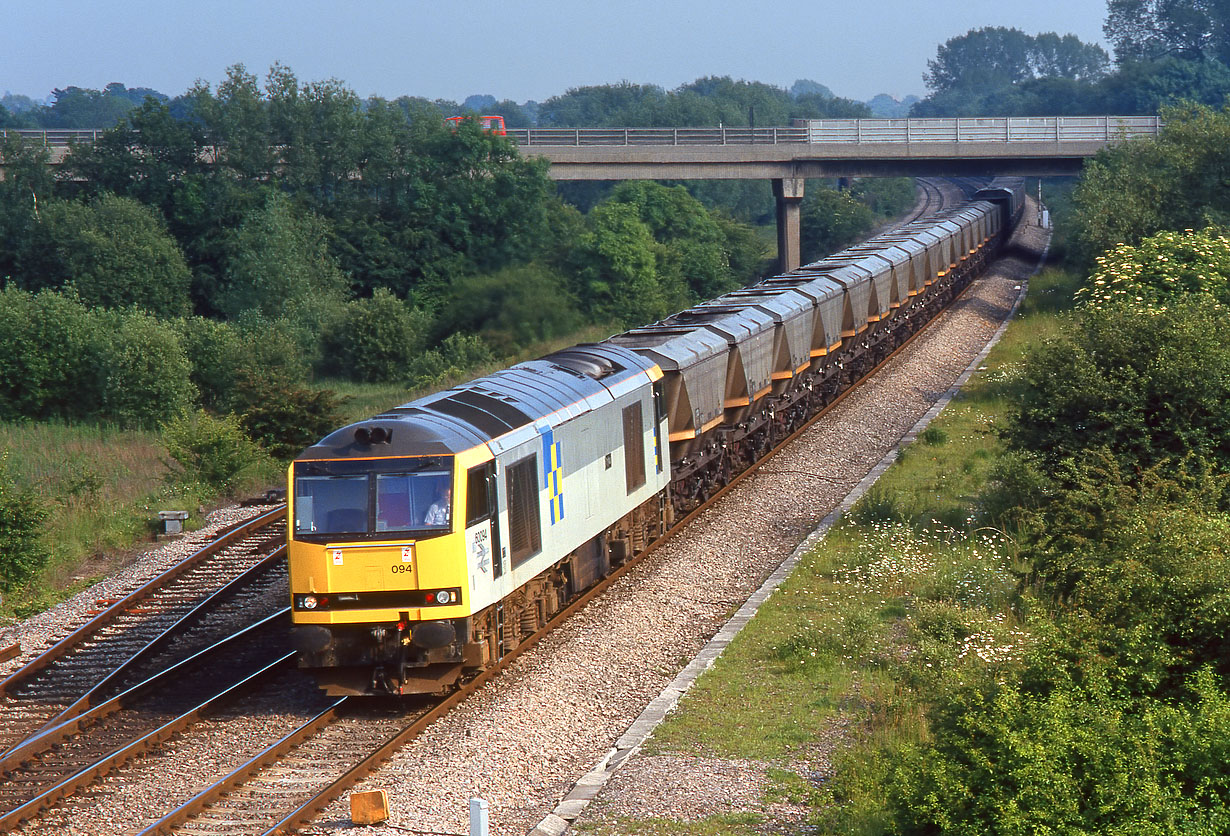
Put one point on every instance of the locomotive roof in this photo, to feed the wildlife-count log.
(552, 389)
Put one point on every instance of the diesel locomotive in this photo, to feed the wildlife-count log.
(428, 541)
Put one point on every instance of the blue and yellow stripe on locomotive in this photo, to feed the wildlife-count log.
(431, 538)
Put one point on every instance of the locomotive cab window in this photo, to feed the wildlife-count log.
(372, 499)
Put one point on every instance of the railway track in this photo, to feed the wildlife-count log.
(289, 782)
(235, 579)
(302, 774)
(67, 758)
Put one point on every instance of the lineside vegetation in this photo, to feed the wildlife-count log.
(1021, 628)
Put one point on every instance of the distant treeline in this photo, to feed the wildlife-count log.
(359, 239)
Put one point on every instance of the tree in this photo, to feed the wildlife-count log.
(1138, 188)
(27, 185)
(1152, 29)
(995, 57)
(1146, 87)
(1055, 56)
(602, 105)
(505, 308)
(78, 107)
(616, 272)
(830, 220)
(989, 57)
(280, 267)
(113, 251)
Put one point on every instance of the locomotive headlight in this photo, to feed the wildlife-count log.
(442, 597)
(308, 602)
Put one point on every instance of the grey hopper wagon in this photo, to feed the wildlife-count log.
(693, 362)
(749, 339)
(830, 310)
(794, 316)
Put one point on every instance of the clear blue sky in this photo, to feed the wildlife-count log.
(516, 49)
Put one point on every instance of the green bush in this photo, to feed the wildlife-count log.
(1148, 386)
(210, 450)
(507, 307)
(115, 252)
(1148, 558)
(1077, 757)
(830, 220)
(50, 363)
(62, 360)
(377, 339)
(222, 354)
(1162, 268)
(282, 416)
(22, 550)
(457, 357)
(147, 373)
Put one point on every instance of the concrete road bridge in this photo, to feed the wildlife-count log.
(809, 148)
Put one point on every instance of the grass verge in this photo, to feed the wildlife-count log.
(905, 595)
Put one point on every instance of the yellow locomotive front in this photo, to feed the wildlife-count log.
(378, 574)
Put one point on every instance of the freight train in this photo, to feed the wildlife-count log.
(428, 541)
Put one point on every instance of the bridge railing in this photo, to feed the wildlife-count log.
(990, 129)
(54, 139)
(657, 136)
(1104, 129)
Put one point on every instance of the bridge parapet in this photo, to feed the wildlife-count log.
(1059, 129)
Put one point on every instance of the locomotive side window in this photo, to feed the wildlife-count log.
(478, 496)
(634, 447)
(524, 518)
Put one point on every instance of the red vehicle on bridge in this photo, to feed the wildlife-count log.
(491, 124)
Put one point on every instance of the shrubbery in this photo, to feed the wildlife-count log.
(1163, 268)
(223, 354)
(212, 451)
(22, 550)
(59, 359)
(1149, 386)
(281, 415)
(377, 339)
(1074, 756)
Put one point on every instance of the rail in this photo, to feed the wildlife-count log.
(1059, 129)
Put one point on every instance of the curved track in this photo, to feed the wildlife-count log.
(291, 781)
(311, 768)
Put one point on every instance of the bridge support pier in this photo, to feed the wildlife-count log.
(789, 194)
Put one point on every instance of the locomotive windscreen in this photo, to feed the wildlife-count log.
(372, 499)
